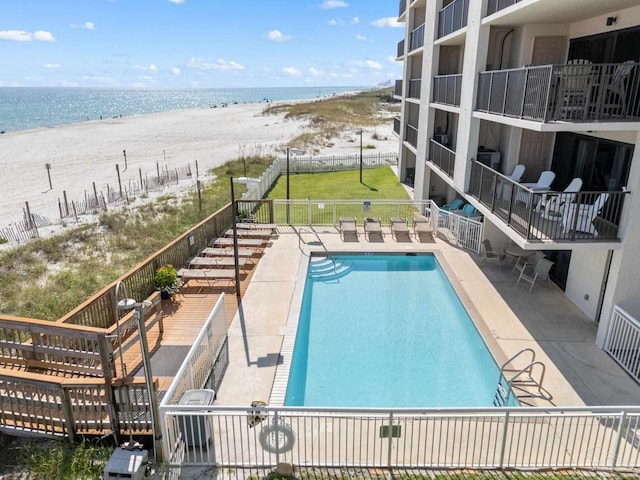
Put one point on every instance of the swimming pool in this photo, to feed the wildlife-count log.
(386, 331)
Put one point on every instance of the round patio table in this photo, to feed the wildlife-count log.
(516, 252)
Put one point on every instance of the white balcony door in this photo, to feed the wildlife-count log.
(548, 50)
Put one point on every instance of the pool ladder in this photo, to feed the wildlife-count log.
(522, 379)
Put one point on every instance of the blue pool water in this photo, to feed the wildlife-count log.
(387, 331)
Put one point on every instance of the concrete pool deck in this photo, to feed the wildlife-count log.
(509, 318)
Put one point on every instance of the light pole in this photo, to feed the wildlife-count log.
(287, 185)
(360, 132)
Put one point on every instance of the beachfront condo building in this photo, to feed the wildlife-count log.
(529, 111)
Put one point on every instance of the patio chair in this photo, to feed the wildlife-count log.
(553, 206)
(422, 227)
(489, 254)
(399, 227)
(348, 227)
(468, 211)
(575, 87)
(532, 273)
(543, 184)
(506, 187)
(580, 217)
(523, 262)
(455, 205)
(615, 90)
(372, 225)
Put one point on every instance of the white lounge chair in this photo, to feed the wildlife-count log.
(506, 187)
(580, 217)
(553, 206)
(542, 185)
(372, 225)
(348, 227)
(400, 227)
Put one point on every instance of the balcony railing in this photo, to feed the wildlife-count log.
(581, 92)
(396, 125)
(548, 216)
(402, 7)
(452, 17)
(400, 49)
(497, 5)
(397, 91)
(416, 39)
(411, 135)
(414, 87)
(446, 89)
(442, 156)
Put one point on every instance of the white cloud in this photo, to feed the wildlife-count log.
(178, 2)
(220, 65)
(387, 22)
(366, 64)
(84, 26)
(355, 21)
(314, 72)
(22, 36)
(392, 59)
(327, 4)
(146, 68)
(334, 23)
(277, 36)
(51, 65)
(292, 71)
(175, 71)
(362, 38)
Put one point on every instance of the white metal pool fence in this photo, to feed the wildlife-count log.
(623, 341)
(475, 438)
(456, 229)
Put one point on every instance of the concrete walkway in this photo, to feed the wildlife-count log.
(508, 317)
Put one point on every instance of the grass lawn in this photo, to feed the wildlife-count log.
(377, 184)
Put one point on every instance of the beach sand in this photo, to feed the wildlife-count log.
(84, 153)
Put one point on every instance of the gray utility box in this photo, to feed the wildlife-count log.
(194, 428)
(123, 463)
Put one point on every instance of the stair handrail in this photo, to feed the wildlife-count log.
(529, 368)
(533, 358)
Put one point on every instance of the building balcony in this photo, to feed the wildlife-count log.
(575, 92)
(396, 125)
(400, 52)
(546, 216)
(496, 5)
(446, 89)
(411, 135)
(452, 17)
(416, 38)
(443, 157)
(397, 91)
(414, 87)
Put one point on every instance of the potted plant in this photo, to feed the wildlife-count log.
(166, 280)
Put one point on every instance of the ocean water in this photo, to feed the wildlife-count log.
(24, 108)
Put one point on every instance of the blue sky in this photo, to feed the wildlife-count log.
(198, 43)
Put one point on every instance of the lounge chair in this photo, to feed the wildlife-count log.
(532, 273)
(468, 211)
(216, 262)
(257, 226)
(553, 206)
(399, 227)
(488, 253)
(504, 187)
(372, 225)
(242, 242)
(580, 217)
(542, 185)
(348, 227)
(422, 227)
(228, 252)
(249, 233)
(209, 275)
(455, 205)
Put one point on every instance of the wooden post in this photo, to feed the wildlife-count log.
(28, 215)
(48, 167)
(197, 174)
(141, 184)
(199, 195)
(95, 194)
(68, 413)
(158, 170)
(66, 203)
(119, 182)
(60, 208)
(124, 152)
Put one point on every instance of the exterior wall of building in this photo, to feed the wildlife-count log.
(586, 273)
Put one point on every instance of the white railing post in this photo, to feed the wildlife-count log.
(309, 211)
(616, 449)
(389, 437)
(503, 446)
